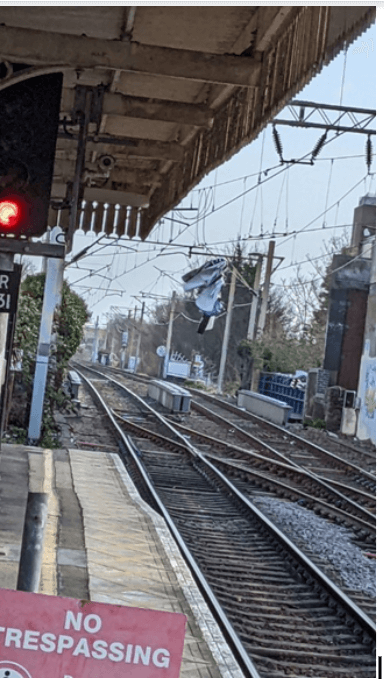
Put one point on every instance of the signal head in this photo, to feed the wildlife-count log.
(9, 214)
(16, 214)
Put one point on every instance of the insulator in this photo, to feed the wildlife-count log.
(319, 145)
(278, 144)
(368, 153)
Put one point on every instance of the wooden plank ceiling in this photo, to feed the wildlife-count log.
(181, 89)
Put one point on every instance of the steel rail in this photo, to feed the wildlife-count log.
(230, 634)
(243, 414)
(335, 592)
(286, 460)
(368, 517)
(244, 451)
(144, 379)
(234, 464)
(263, 422)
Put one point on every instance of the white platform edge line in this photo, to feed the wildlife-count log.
(213, 636)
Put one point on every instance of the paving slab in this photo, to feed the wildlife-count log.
(14, 487)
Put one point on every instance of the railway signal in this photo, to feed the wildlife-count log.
(29, 116)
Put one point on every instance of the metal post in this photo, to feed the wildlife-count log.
(131, 335)
(6, 264)
(6, 397)
(169, 336)
(95, 342)
(223, 357)
(255, 299)
(125, 344)
(52, 297)
(267, 280)
(32, 543)
(106, 336)
(79, 168)
(138, 343)
(263, 310)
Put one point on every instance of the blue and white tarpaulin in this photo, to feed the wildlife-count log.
(209, 280)
(205, 275)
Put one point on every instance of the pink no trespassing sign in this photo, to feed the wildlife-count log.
(49, 636)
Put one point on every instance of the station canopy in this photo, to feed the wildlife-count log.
(172, 91)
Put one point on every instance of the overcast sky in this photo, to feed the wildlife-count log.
(252, 197)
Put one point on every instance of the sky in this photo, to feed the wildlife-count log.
(252, 197)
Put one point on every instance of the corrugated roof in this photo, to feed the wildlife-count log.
(180, 89)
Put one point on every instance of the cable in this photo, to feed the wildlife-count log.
(324, 212)
(232, 200)
(327, 194)
(204, 209)
(278, 203)
(321, 278)
(343, 76)
(243, 205)
(256, 174)
(192, 320)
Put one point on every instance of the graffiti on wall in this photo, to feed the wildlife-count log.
(367, 392)
(369, 403)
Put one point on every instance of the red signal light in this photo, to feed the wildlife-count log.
(10, 213)
(17, 213)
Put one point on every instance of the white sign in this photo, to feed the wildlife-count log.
(161, 351)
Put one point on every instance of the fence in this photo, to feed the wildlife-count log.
(278, 386)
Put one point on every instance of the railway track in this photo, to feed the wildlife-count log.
(355, 459)
(295, 448)
(287, 617)
(340, 492)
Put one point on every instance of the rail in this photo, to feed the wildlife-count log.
(323, 581)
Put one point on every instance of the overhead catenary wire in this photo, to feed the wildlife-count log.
(186, 224)
(344, 71)
(320, 278)
(304, 228)
(327, 193)
(265, 180)
(283, 236)
(208, 253)
(274, 167)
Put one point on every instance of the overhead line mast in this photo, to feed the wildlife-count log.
(303, 113)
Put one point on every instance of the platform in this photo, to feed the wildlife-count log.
(103, 542)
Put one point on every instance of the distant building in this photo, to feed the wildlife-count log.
(343, 392)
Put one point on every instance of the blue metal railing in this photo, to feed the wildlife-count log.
(278, 386)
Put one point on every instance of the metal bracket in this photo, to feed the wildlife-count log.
(96, 105)
(26, 247)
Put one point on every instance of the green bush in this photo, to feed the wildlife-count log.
(68, 324)
(316, 424)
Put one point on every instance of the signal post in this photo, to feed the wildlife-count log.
(29, 114)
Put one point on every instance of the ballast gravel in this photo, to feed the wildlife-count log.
(326, 540)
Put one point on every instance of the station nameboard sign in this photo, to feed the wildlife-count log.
(9, 290)
(48, 636)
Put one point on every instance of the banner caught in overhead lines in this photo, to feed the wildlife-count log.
(209, 279)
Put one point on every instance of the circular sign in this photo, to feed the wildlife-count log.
(12, 669)
(161, 351)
